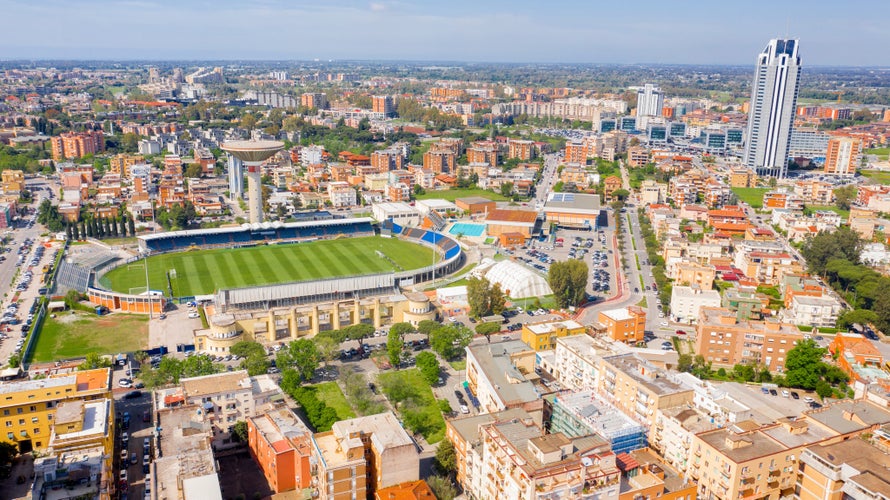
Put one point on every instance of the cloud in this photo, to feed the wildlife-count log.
(377, 7)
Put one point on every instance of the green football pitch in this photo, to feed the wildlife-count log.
(205, 271)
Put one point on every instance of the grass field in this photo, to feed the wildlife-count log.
(453, 194)
(879, 176)
(205, 271)
(74, 335)
(751, 196)
(414, 400)
(881, 152)
(832, 208)
(330, 393)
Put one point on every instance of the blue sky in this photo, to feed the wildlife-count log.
(853, 32)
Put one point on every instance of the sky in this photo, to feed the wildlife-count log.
(832, 33)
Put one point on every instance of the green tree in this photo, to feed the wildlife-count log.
(302, 355)
(15, 360)
(450, 340)
(856, 316)
(328, 349)
(94, 360)
(394, 346)
(827, 246)
(844, 196)
(804, 365)
(488, 328)
(442, 487)
(239, 431)
(745, 372)
(427, 326)
(8, 452)
(194, 170)
(446, 459)
(428, 365)
(620, 194)
(484, 298)
(568, 280)
(247, 348)
(248, 121)
(507, 189)
(132, 226)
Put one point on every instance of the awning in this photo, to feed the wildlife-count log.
(172, 400)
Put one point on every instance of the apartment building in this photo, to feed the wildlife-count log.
(843, 155)
(637, 156)
(645, 475)
(484, 153)
(280, 443)
(782, 199)
(652, 193)
(820, 311)
(724, 340)
(765, 261)
(13, 181)
(742, 177)
(577, 414)
(520, 461)
(363, 455)
(575, 152)
(576, 361)
(440, 161)
(387, 159)
(495, 375)
(639, 387)
(682, 191)
(28, 408)
(77, 144)
(383, 104)
(183, 466)
(341, 194)
(848, 469)
(626, 324)
(610, 185)
(816, 192)
(687, 301)
(672, 434)
(521, 149)
(314, 100)
(542, 336)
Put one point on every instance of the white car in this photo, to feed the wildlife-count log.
(464, 409)
(125, 382)
(194, 315)
(664, 323)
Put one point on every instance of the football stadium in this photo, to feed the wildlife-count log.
(262, 258)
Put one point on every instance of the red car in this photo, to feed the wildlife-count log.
(680, 332)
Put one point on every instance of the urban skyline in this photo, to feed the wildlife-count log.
(271, 30)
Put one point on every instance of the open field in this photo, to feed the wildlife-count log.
(205, 271)
(751, 196)
(453, 194)
(881, 152)
(330, 393)
(414, 400)
(74, 335)
(879, 176)
(832, 208)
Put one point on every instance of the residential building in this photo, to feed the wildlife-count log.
(858, 357)
(521, 149)
(388, 159)
(848, 469)
(782, 199)
(341, 194)
(440, 161)
(687, 301)
(577, 414)
(183, 464)
(645, 475)
(672, 434)
(280, 443)
(314, 100)
(542, 336)
(384, 105)
(773, 103)
(55, 474)
(412, 490)
(13, 181)
(843, 155)
(28, 407)
(819, 311)
(77, 144)
(610, 185)
(652, 193)
(627, 324)
(576, 361)
(742, 177)
(520, 461)
(637, 156)
(639, 387)
(726, 341)
(363, 455)
(496, 375)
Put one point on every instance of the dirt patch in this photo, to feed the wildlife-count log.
(240, 475)
(66, 317)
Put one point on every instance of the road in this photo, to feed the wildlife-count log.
(548, 179)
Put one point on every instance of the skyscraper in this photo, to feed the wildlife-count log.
(650, 102)
(773, 103)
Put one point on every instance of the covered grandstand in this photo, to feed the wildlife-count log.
(253, 234)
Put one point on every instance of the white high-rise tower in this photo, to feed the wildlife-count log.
(772, 108)
(650, 102)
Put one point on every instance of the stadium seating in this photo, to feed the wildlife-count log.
(71, 277)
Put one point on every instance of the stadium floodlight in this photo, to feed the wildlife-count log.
(253, 154)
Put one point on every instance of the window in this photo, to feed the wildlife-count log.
(32, 408)
(5, 412)
(34, 420)
(21, 421)
(36, 431)
(18, 410)
(10, 436)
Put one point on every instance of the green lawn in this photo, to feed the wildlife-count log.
(72, 336)
(205, 271)
(843, 213)
(879, 176)
(882, 152)
(453, 194)
(414, 400)
(751, 196)
(330, 393)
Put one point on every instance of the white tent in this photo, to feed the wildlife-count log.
(518, 281)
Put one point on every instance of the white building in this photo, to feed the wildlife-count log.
(773, 105)
(813, 311)
(341, 194)
(650, 102)
(494, 379)
(401, 213)
(576, 361)
(441, 207)
(875, 254)
(673, 431)
(687, 300)
(311, 155)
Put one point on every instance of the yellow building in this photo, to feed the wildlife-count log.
(28, 408)
(120, 164)
(742, 177)
(13, 181)
(828, 471)
(542, 336)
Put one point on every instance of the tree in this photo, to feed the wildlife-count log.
(248, 121)
(449, 340)
(507, 189)
(427, 326)
(8, 452)
(488, 328)
(827, 246)
(804, 365)
(394, 346)
(328, 349)
(194, 171)
(72, 299)
(94, 360)
(442, 488)
(568, 280)
(485, 299)
(114, 228)
(684, 363)
(302, 355)
(844, 196)
(15, 360)
(446, 460)
(856, 316)
(239, 431)
(745, 372)
(428, 365)
(620, 194)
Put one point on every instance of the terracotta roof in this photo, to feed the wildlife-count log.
(503, 215)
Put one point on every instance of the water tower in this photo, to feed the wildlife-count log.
(253, 154)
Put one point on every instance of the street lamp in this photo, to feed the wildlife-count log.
(145, 253)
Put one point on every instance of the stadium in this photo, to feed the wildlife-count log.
(265, 265)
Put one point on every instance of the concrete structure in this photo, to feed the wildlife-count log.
(639, 387)
(361, 456)
(848, 469)
(475, 205)
(253, 154)
(686, 301)
(28, 408)
(627, 324)
(584, 413)
(183, 465)
(77, 144)
(773, 103)
(576, 361)
(13, 181)
(573, 210)
(645, 475)
(843, 155)
(401, 213)
(412, 490)
(495, 375)
(724, 340)
(542, 336)
(235, 175)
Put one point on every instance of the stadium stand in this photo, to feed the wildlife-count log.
(71, 276)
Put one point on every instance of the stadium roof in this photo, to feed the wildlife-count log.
(253, 227)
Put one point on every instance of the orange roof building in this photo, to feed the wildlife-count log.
(501, 221)
(415, 490)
